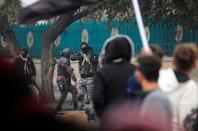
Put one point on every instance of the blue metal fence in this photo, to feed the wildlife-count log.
(162, 33)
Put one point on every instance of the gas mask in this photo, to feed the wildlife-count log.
(85, 49)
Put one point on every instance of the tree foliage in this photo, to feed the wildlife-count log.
(183, 11)
(9, 8)
(110, 9)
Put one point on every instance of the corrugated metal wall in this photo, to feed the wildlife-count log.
(162, 33)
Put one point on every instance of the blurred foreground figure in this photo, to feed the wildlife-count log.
(134, 87)
(20, 109)
(155, 103)
(127, 117)
(45, 9)
(177, 84)
(115, 69)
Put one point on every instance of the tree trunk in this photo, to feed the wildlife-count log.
(8, 35)
(47, 68)
(13, 46)
(47, 61)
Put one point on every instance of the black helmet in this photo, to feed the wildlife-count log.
(66, 52)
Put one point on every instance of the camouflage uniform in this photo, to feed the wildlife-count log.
(87, 70)
(85, 87)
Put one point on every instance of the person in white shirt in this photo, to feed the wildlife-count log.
(176, 83)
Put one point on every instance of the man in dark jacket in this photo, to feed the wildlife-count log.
(115, 69)
(25, 66)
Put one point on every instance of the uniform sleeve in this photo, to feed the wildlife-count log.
(98, 94)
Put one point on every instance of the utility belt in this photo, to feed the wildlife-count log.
(63, 84)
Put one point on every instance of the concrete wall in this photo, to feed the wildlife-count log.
(166, 61)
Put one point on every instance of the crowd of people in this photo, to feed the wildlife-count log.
(145, 96)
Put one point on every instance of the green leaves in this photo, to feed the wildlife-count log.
(183, 11)
(9, 8)
(2, 3)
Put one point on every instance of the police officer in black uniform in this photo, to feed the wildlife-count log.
(64, 76)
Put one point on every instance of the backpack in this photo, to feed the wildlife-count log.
(190, 122)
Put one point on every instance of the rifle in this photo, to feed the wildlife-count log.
(85, 59)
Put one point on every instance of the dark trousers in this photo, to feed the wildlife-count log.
(63, 96)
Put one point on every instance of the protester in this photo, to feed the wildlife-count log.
(155, 103)
(64, 76)
(111, 79)
(25, 65)
(157, 51)
(134, 88)
(176, 83)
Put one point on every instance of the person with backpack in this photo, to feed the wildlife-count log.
(87, 69)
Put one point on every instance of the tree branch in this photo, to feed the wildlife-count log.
(8, 35)
(81, 14)
(63, 22)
